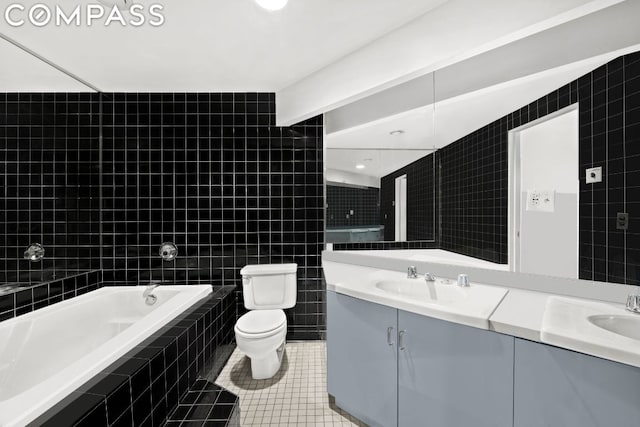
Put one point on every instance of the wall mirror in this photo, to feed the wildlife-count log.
(380, 167)
(49, 196)
(535, 168)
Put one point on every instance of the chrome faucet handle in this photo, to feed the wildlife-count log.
(463, 281)
(34, 253)
(412, 272)
(633, 303)
(429, 277)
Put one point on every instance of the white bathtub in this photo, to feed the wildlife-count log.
(47, 354)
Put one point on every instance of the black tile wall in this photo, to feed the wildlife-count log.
(421, 200)
(210, 172)
(146, 385)
(473, 194)
(213, 174)
(49, 184)
(473, 176)
(380, 246)
(363, 202)
(23, 300)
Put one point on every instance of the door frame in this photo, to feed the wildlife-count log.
(514, 191)
(400, 213)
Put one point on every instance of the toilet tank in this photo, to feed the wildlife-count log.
(269, 286)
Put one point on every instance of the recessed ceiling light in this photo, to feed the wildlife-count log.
(360, 166)
(397, 132)
(272, 4)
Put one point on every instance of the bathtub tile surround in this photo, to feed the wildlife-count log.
(206, 405)
(39, 296)
(341, 201)
(49, 184)
(146, 385)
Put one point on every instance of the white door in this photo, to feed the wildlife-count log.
(546, 172)
(401, 208)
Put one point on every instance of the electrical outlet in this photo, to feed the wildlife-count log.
(533, 200)
(594, 175)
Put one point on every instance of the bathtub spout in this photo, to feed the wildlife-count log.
(147, 292)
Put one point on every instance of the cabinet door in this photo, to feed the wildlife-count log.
(361, 365)
(557, 387)
(453, 375)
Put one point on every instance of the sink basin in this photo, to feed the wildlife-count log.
(622, 325)
(438, 292)
(592, 327)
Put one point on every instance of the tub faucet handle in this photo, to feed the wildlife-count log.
(429, 277)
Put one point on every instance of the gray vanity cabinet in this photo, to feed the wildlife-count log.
(362, 359)
(557, 387)
(442, 374)
(453, 375)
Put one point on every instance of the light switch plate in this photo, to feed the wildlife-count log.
(547, 201)
(594, 175)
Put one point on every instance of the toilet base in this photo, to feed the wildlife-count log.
(266, 367)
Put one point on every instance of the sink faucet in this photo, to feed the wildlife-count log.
(633, 304)
(429, 277)
(412, 272)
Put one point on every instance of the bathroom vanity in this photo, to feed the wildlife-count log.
(400, 358)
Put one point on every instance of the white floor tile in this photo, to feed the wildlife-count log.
(296, 396)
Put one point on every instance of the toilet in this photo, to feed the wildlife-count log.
(261, 333)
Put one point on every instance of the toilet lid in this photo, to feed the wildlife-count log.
(261, 321)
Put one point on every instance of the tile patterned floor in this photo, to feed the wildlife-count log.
(296, 396)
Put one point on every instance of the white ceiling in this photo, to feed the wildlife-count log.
(454, 32)
(34, 74)
(217, 45)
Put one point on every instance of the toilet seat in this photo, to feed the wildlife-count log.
(261, 323)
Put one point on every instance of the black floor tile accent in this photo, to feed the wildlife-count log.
(206, 404)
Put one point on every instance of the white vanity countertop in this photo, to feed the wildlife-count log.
(520, 314)
(526, 314)
(470, 306)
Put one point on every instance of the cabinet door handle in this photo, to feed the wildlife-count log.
(390, 335)
(401, 340)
